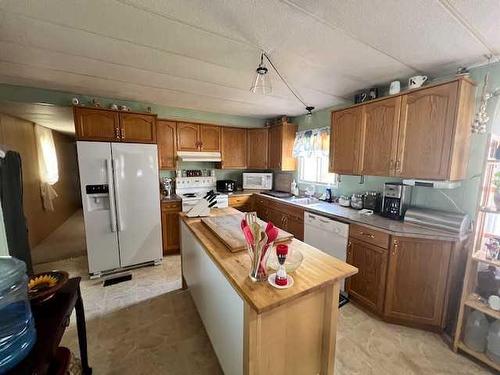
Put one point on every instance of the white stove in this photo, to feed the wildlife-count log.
(192, 189)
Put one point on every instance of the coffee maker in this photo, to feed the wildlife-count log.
(396, 200)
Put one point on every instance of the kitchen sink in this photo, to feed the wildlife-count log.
(304, 201)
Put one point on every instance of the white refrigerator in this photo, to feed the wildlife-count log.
(121, 204)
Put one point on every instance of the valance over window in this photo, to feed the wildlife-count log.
(314, 142)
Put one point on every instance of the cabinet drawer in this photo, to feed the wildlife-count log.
(171, 206)
(239, 200)
(369, 235)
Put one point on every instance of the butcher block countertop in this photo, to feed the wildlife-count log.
(317, 270)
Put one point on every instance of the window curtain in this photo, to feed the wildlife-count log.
(47, 165)
(314, 142)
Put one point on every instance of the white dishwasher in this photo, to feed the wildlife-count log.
(328, 235)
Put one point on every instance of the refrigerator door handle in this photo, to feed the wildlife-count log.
(109, 176)
(117, 195)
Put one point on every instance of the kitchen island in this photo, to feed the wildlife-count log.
(254, 328)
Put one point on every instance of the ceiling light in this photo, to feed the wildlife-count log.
(262, 83)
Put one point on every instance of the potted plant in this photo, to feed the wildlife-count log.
(496, 196)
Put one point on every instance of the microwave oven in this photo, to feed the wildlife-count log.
(258, 181)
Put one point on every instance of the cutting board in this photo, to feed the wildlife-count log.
(228, 229)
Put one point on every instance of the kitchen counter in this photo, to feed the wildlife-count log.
(172, 198)
(317, 270)
(350, 215)
(255, 328)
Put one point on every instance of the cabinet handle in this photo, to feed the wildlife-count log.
(117, 133)
(367, 234)
(395, 247)
(349, 248)
(398, 166)
(122, 131)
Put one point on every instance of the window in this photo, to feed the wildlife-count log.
(314, 169)
(311, 147)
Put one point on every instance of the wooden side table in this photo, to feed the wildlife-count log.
(51, 319)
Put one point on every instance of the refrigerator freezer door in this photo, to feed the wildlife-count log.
(94, 162)
(137, 196)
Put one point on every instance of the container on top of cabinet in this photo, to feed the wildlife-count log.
(422, 133)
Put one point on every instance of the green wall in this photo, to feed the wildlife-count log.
(61, 98)
(466, 196)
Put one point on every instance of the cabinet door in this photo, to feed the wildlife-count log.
(275, 147)
(416, 280)
(379, 137)
(209, 138)
(166, 139)
(257, 148)
(188, 136)
(345, 141)
(137, 128)
(261, 207)
(294, 226)
(368, 286)
(170, 228)
(96, 124)
(234, 148)
(425, 132)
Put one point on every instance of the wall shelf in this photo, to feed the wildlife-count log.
(480, 356)
(474, 302)
(480, 256)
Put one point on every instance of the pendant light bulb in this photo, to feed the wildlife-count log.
(309, 110)
(261, 83)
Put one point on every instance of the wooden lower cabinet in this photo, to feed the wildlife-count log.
(367, 287)
(241, 202)
(170, 227)
(282, 215)
(411, 283)
(417, 281)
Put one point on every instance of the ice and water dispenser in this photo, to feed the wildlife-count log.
(97, 197)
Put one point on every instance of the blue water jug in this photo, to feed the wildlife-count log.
(17, 327)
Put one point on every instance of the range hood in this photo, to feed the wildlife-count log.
(199, 156)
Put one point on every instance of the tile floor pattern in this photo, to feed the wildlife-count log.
(147, 326)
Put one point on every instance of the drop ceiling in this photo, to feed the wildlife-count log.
(202, 55)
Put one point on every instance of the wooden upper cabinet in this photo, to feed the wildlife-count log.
(188, 136)
(416, 281)
(166, 140)
(197, 137)
(275, 147)
(94, 124)
(379, 137)
(234, 148)
(368, 286)
(426, 132)
(257, 148)
(137, 128)
(99, 124)
(345, 141)
(209, 138)
(281, 140)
